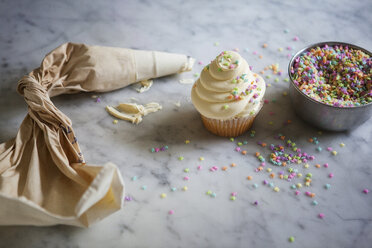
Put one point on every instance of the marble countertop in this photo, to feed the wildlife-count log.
(202, 29)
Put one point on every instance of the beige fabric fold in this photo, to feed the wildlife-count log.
(44, 179)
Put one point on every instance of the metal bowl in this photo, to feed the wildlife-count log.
(321, 115)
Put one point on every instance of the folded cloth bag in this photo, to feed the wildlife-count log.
(43, 177)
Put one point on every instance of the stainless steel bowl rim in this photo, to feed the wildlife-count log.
(320, 44)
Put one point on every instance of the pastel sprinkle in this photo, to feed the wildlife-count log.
(170, 212)
(213, 195)
(365, 191)
(186, 170)
(327, 186)
(187, 142)
(173, 189)
(342, 144)
(334, 153)
(144, 187)
(321, 215)
(134, 178)
(330, 175)
(276, 189)
(201, 158)
(163, 195)
(232, 198)
(185, 188)
(314, 203)
(291, 239)
(186, 178)
(334, 75)
(180, 158)
(216, 43)
(115, 121)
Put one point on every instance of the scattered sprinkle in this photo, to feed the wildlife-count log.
(291, 239)
(163, 195)
(170, 212)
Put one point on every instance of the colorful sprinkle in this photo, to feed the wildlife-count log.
(335, 75)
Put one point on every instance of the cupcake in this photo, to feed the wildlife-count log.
(228, 95)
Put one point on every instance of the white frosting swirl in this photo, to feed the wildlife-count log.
(227, 88)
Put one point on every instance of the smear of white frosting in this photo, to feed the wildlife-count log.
(133, 112)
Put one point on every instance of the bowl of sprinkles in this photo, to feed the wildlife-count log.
(331, 85)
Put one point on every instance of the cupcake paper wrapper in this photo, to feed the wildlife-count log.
(232, 127)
